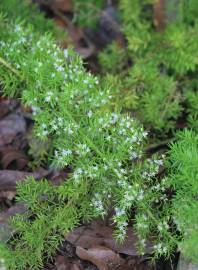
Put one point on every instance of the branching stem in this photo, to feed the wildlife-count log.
(10, 67)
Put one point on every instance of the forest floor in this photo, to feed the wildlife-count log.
(90, 246)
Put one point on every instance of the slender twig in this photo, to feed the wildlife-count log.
(9, 66)
(155, 146)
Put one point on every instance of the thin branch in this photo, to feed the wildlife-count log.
(10, 67)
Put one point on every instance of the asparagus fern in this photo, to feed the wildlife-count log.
(163, 63)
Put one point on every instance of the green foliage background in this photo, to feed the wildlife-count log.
(86, 125)
(162, 76)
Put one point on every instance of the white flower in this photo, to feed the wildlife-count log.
(140, 195)
(54, 126)
(70, 131)
(49, 96)
(158, 162)
(17, 28)
(106, 167)
(133, 155)
(143, 242)
(144, 134)
(65, 51)
(101, 120)
(66, 152)
(2, 264)
(44, 132)
(108, 138)
(35, 110)
(164, 249)
(119, 211)
(79, 171)
(103, 101)
(114, 118)
(89, 114)
(129, 197)
(76, 176)
(158, 247)
(59, 68)
(95, 168)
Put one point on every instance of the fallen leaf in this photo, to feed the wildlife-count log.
(8, 178)
(159, 14)
(104, 258)
(10, 127)
(4, 109)
(7, 195)
(85, 52)
(58, 176)
(98, 234)
(63, 5)
(18, 208)
(13, 159)
(5, 229)
(65, 263)
(108, 29)
(6, 106)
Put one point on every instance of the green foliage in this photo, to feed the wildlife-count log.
(192, 103)
(87, 13)
(103, 147)
(27, 12)
(80, 119)
(184, 180)
(116, 60)
(136, 25)
(162, 62)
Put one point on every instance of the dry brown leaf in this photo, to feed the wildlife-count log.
(4, 109)
(63, 5)
(8, 178)
(159, 16)
(13, 159)
(5, 229)
(18, 208)
(10, 127)
(6, 106)
(85, 52)
(7, 195)
(104, 258)
(64, 263)
(98, 234)
(58, 177)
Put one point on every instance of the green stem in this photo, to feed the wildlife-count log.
(154, 146)
(8, 66)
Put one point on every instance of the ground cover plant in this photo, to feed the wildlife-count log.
(27, 12)
(183, 178)
(88, 131)
(100, 144)
(162, 77)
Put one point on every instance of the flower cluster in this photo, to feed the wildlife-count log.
(2, 264)
(103, 147)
